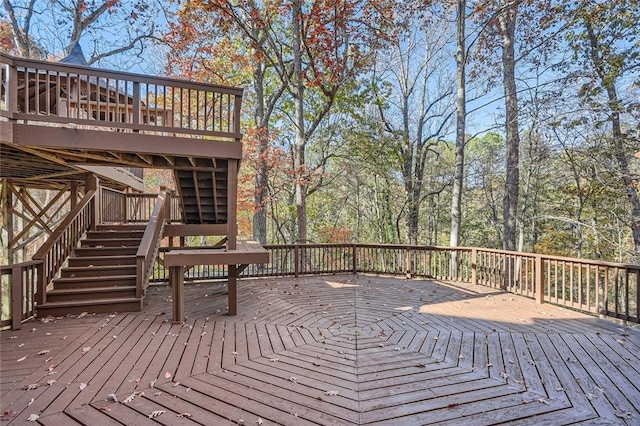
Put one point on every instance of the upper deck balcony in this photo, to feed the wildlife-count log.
(55, 114)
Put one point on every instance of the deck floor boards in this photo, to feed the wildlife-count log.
(342, 349)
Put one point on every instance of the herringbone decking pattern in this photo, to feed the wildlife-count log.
(328, 350)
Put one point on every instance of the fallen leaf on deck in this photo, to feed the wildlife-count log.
(293, 379)
(82, 386)
(33, 417)
(82, 315)
(50, 382)
(259, 421)
(107, 409)
(504, 375)
(181, 415)
(8, 415)
(33, 386)
(156, 413)
(167, 375)
(274, 360)
(626, 415)
(86, 349)
(332, 392)
(21, 359)
(113, 397)
(153, 382)
(129, 398)
(46, 351)
(31, 401)
(21, 345)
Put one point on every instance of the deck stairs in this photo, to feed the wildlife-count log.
(100, 275)
(203, 194)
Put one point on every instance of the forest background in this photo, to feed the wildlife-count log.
(492, 123)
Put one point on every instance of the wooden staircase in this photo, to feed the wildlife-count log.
(203, 194)
(100, 276)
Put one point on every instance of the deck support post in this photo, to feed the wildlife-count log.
(91, 182)
(233, 289)
(17, 296)
(474, 266)
(354, 267)
(176, 280)
(539, 285)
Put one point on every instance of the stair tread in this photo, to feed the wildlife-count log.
(98, 278)
(85, 302)
(96, 267)
(90, 290)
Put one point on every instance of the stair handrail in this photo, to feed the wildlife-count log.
(57, 248)
(150, 244)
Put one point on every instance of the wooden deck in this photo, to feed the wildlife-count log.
(326, 350)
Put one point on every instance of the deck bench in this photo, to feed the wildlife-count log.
(245, 254)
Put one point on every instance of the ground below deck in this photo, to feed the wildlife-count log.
(325, 350)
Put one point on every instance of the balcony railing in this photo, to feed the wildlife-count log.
(602, 288)
(125, 207)
(51, 92)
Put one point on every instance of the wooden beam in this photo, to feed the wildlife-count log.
(247, 252)
(195, 230)
(103, 141)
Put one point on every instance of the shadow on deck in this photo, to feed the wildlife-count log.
(345, 349)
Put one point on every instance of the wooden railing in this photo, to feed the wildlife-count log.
(19, 283)
(603, 288)
(123, 207)
(150, 244)
(60, 244)
(107, 100)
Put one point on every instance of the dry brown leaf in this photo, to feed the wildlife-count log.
(7, 415)
(167, 375)
(156, 413)
(129, 398)
(46, 351)
(33, 386)
(82, 386)
(21, 359)
(33, 417)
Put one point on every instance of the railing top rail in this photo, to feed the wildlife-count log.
(147, 237)
(64, 225)
(112, 74)
(20, 265)
(561, 258)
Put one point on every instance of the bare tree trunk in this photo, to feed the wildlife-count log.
(510, 201)
(458, 178)
(262, 129)
(618, 138)
(300, 142)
